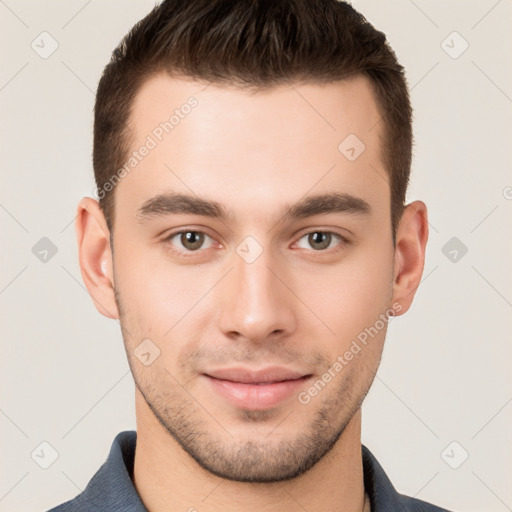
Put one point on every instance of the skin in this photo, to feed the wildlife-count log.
(296, 305)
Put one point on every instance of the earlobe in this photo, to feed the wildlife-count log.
(411, 241)
(95, 256)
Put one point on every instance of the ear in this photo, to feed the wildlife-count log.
(411, 240)
(95, 256)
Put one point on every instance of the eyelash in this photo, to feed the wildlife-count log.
(343, 241)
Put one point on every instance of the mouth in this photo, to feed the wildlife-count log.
(256, 389)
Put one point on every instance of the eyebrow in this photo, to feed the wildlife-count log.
(178, 203)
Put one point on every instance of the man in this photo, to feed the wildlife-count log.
(252, 238)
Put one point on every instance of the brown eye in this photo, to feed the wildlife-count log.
(320, 240)
(192, 240)
(189, 240)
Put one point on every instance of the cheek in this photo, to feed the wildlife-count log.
(351, 296)
(158, 297)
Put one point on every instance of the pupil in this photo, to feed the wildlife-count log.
(192, 239)
(321, 240)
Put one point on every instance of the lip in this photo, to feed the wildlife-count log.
(266, 375)
(256, 389)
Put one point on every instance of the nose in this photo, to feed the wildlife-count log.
(257, 304)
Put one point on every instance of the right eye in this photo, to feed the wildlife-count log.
(188, 240)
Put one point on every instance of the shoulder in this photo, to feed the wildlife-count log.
(414, 505)
(111, 487)
(383, 495)
(74, 505)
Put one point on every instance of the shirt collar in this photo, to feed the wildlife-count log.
(111, 488)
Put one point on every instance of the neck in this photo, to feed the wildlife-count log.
(167, 479)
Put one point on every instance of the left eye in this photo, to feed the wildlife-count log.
(190, 240)
(320, 240)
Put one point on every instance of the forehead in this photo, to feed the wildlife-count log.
(328, 110)
(227, 143)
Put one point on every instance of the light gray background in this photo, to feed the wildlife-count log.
(445, 374)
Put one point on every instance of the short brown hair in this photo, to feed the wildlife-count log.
(252, 44)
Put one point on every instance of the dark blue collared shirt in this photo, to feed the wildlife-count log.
(111, 488)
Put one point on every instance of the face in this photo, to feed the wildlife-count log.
(254, 252)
